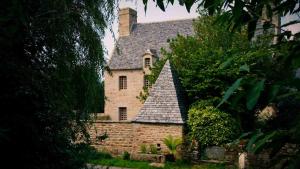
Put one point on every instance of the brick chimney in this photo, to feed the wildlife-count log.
(127, 18)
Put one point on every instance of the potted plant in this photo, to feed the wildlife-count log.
(172, 144)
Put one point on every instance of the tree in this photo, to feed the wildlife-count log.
(241, 12)
(272, 83)
(210, 61)
(51, 56)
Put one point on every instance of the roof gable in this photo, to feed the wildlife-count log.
(165, 103)
(130, 49)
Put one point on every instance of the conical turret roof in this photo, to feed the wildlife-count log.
(165, 103)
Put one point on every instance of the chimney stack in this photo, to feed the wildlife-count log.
(127, 18)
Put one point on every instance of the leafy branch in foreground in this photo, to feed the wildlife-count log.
(239, 13)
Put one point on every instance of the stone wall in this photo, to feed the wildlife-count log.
(154, 134)
(120, 136)
(116, 98)
(127, 136)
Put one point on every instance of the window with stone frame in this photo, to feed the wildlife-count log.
(146, 82)
(122, 82)
(122, 113)
(147, 62)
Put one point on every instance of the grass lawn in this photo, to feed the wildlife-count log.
(105, 159)
(145, 165)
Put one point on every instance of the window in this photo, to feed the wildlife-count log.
(122, 82)
(122, 113)
(147, 62)
(146, 82)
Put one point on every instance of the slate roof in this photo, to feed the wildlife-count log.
(130, 49)
(165, 103)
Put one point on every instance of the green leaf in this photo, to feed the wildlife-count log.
(226, 63)
(260, 144)
(160, 4)
(188, 4)
(288, 94)
(230, 91)
(145, 5)
(244, 135)
(253, 139)
(245, 68)
(273, 92)
(254, 94)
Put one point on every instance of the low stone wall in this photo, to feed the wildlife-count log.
(127, 136)
(214, 154)
(145, 133)
(119, 136)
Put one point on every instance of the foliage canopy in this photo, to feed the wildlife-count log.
(240, 13)
(268, 80)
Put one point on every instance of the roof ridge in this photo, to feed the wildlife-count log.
(145, 36)
(175, 20)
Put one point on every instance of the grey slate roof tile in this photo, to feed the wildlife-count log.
(130, 49)
(165, 103)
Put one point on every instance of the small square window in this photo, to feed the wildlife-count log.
(147, 62)
(122, 82)
(146, 82)
(122, 113)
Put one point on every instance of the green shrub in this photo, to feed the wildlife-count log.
(143, 149)
(126, 156)
(172, 143)
(153, 149)
(210, 126)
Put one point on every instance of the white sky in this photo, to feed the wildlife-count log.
(155, 14)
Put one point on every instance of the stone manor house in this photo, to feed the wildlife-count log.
(134, 123)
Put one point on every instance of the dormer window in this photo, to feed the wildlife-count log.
(147, 62)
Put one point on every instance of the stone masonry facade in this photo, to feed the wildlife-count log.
(137, 43)
(147, 133)
(116, 98)
(120, 136)
(133, 123)
(126, 136)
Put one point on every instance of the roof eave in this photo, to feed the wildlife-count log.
(126, 68)
(157, 122)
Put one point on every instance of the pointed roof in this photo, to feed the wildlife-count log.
(165, 103)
